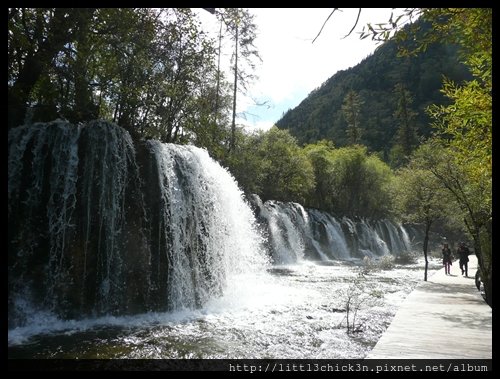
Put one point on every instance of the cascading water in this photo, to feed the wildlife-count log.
(371, 244)
(405, 238)
(335, 244)
(43, 162)
(210, 228)
(295, 232)
(286, 226)
(98, 226)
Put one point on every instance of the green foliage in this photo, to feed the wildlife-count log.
(397, 156)
(36, 37)
(462, 161)
(346, 181)
(359, 183)
(472, 197)
(465, 127)
(320, 155)
(151, 70)
(288, 174)
(246, 164)
(272, 165)
(406, 136)
(351, 109)
(419, 196)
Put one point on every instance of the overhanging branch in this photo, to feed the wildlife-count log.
(324, 24)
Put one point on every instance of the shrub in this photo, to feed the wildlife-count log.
(405, 258)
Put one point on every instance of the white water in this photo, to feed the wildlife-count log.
(246, 292)
(295, 233)
(298, 314)
(285, 227)
(84, 243)
(214, 239)
(337, 245)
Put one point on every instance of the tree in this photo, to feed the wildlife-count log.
(271, 165)
(183, 63)
(406, 136)
(421, 198)
(465, 128)
(360, 183)
(84, 108)
(288, 174)
(243, 31)
(219, 53)
(465, 125)
(351, 109)
(152, 71)
(320, 154)
(248, 165)
(36, 36)
(473, 199)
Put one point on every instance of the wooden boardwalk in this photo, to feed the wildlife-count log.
(443, 318)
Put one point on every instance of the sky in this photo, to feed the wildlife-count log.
(292, 66)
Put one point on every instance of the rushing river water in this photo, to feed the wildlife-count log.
(298, 311)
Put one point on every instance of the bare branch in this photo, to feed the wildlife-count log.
(355, 24)
(334, 9)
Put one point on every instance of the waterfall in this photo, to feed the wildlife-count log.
(42, 161)
(295, 233)
(212, 232)
(405, 238)
(286, 228)
(100, 225)
(331, 233)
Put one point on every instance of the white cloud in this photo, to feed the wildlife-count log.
(259, 125)
(292, 66)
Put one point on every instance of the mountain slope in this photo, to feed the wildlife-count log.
(319, 116)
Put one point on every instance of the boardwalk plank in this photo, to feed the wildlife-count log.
(443, 318)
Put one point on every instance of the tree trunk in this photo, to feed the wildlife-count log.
(218, 75)
(484, 264)
(426, 244)
(233, 124)
(85, 109)
(484, 267)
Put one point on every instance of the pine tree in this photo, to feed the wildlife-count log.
(406, 135)
(351, 109)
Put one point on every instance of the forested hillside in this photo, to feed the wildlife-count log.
(374, 81)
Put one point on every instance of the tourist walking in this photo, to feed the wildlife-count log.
(446, 258)
(463, 254)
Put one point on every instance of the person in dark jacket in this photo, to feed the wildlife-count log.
(463, 254)
(446, 258)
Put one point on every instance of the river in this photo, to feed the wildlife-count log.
(296, 312)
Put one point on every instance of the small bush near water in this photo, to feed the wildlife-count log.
(385, 262)
(406, 258)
